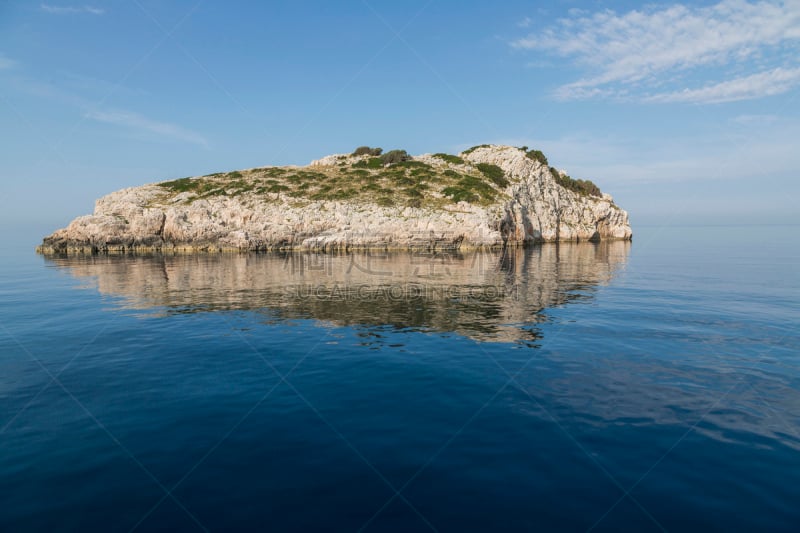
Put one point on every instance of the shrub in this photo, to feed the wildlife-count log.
(199, 186)
(341, 194)
(537, 155)
(181, 185)
(460, 194)
(469, 189)
(274, 171)
(372, 162)
(584, 187)
(454, 159)
(589, 188)
(413, 192)
(395, 156)
(477, 185)
(414, 165)
(422, 174)
(494, 173)
(366, 150)
(470, 150)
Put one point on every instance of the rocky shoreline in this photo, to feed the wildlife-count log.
(486, 197)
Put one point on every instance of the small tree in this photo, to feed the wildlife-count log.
(366, 150)
(537, 155)
(470, 150)
(395, 156)
(494, 173)
(454, 159)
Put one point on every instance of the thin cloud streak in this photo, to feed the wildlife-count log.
(643, 49)
(6, 63)
(777, 81)
(70, 10)
(624, 161)
(137, 122)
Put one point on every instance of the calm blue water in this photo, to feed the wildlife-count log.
(644, 386)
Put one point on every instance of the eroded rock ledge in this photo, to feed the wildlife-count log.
(488, 196)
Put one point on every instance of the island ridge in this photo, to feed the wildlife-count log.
(486, 197)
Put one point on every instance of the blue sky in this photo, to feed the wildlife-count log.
(684, 112)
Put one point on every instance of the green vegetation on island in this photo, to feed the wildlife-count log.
(369, 174)
(448, 158)
(472, 149)
(584, 187)
(366, 150)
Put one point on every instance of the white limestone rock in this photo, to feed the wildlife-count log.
(532, 208)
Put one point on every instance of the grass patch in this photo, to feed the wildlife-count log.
(494, 173)
(395, 156)
(582, 187)
(413, 164)
(470, 150)
(391, 179)
(423, 174)
(366, 150)
(360, 173)
(183, 184)
(412, 193)
(470, 189)
(477, 185)
(460, 194)
(536, 155)
(273, 171)
(373, 163)
(454, 159)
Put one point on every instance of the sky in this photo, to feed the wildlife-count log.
(686, 113)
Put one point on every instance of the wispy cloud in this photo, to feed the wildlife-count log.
(750, 119)
(67, 10)
(6, 62)
(639, 52)
(141, 124)
(768, 83)
(622, 161)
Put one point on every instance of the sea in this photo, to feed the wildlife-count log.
(651, 385)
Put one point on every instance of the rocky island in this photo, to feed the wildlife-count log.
(487, 196)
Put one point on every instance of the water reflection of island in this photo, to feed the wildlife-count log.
(485, 295)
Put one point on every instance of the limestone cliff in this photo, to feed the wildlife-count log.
(488, 196)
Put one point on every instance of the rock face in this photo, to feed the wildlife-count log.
(529, 207)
